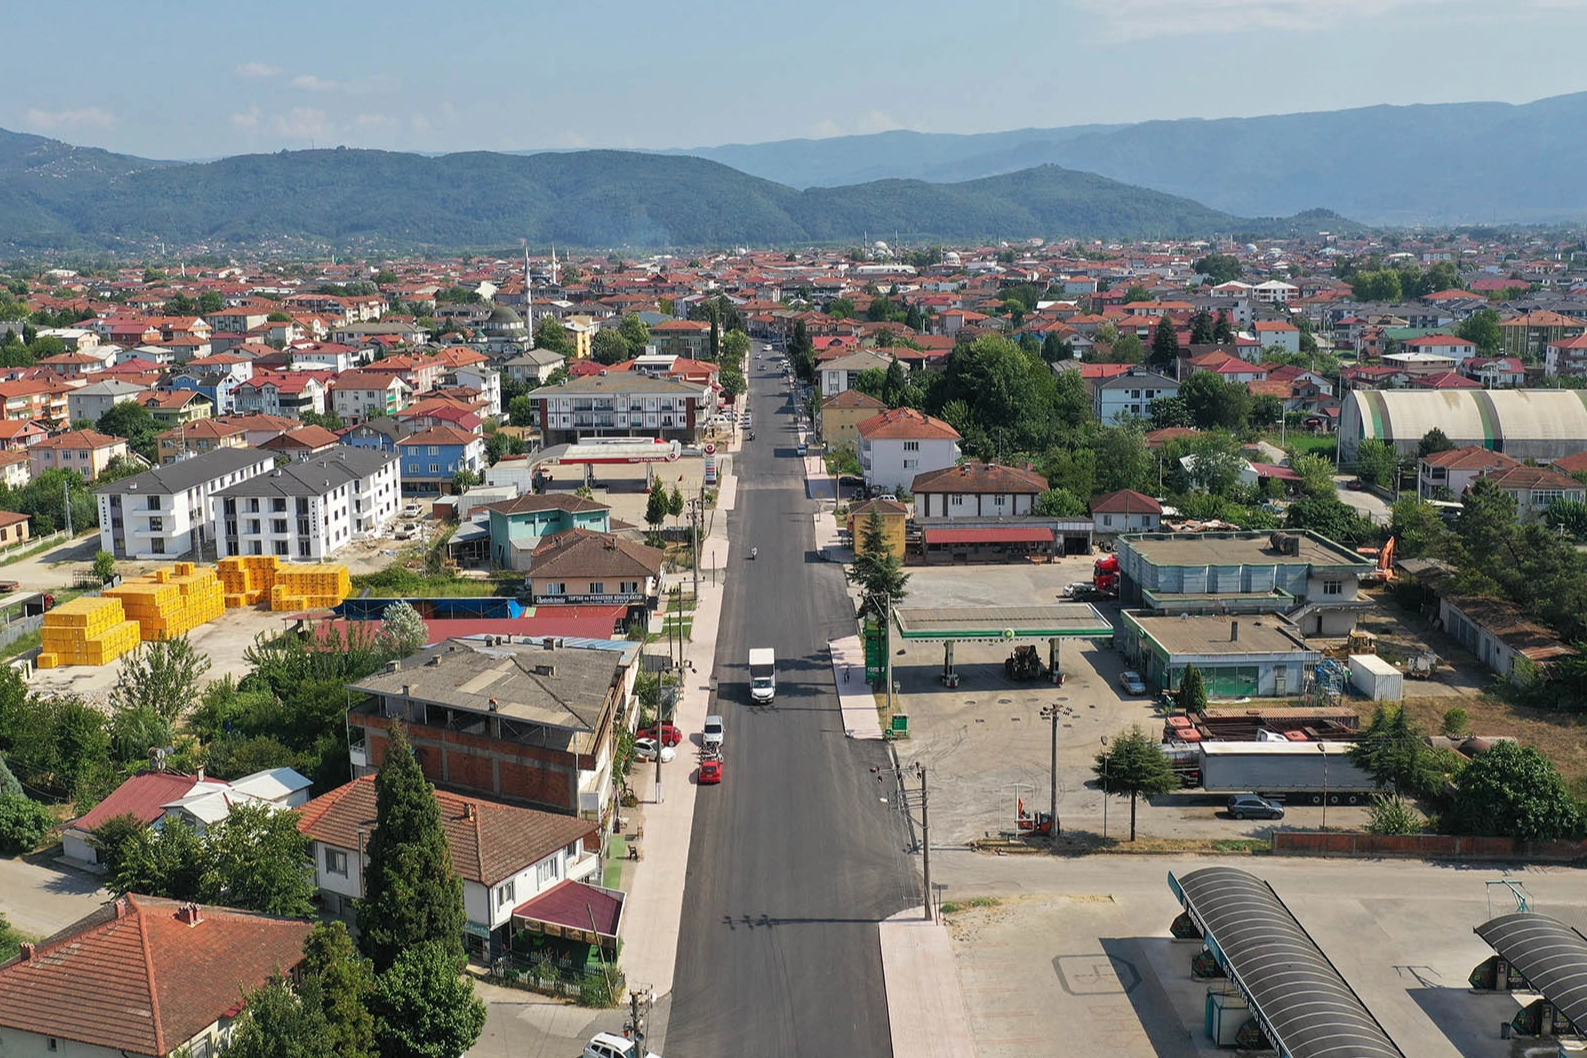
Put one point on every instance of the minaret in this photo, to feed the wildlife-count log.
(554, 267)
(528, 298)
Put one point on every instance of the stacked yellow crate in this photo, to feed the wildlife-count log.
(173, 601)
(310, 587)
(247, 579)
(86, 631)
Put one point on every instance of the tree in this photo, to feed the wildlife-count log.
(111, 837)
(164, 676)
(1442, 276)
(277, 1023)
(877, 570)
(104, 566)
(1127, 349)
(1434, 440)
(412, 897)
(1377, 462)
(521, 410)
(173, 862)
(1483, 328)
(893, 384)
(1137, 293)
(735, 346)
(1331, 517)
(9, 787)
(634, 332)
(260, 861)
(609, 347)
(131, 420)
(1569, 517)
(1316, 476)
(1215, 463)
(1192, 691)
(404, 629)
(1393, 814)
(675, 503)
(1514, 791)
(1133, 763)
(1059, 503)
(1165, 343)
(553, 336)
(1169, 411)
(1393, 751)
(656, 507)
(24, 823)
(1219, 267)
(324, 420)
(346, 983)
(1214, 402)
(1202, 328)
(1222, 332)
(423, 1007)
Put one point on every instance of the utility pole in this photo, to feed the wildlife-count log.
(639, 1002)
(66, 499)
(1324, 748)
(1052, 713)
(694, 540)
(1104, 786)
(887, 642)
(925, 835)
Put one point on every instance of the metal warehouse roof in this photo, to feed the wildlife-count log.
(1549, 954)
(1306, 1008)
(1068, 620)
(1475, 416)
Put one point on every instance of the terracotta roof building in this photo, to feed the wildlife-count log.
(143, 976)
(586, 566)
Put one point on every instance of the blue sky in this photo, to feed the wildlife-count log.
(182, 79)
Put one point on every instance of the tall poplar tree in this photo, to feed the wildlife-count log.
(411, 894)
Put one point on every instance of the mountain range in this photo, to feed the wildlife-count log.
(1454, 163)
(57, 196)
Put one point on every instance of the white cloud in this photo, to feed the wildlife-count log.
(825, 130)
(87, 117)
(246, 120)
(304, 123)
(257, 69)
(420, 123)
(308, 82)
(375, 121)
(569, 138)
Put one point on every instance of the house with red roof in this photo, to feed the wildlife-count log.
(284, 393)
(1442, 380)
(144, 797)
(432, 457)
(1566, 357)
(145, 977)
(1125, 511)
(86, 451)
(1455, 469)
(1535, 489)
(1495, 372)
(509, 858)
(898, 445)
(1452, 346)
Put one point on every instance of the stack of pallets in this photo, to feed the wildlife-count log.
(171, 602)
(247, 579)
(86, 631)
(310, 587)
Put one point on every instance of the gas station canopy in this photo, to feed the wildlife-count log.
(1075, 620)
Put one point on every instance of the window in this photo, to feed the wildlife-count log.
(303, 549)
(911, 446)
(910, 464)
(158, 546)
(435, 450)
(156, 525)
(280, 547)
(557, 588)
(278, 525)
(597, 587)
(504, 895)
(253, 506)
(278, 505)
(628, 587)
(548, 870)
(1333, 587)
(957, 500)
(1107, 519)
(998, 501)
(253, 525)
(336, 862)
(435, 468)
(255, 547)
(154, 503)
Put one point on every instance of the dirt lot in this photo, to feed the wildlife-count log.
(986, 744)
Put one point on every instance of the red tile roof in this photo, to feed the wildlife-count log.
(141, 796)
(142, 976)
(1470, 458)
(1571, 464)
(906, 424)
(490, 842)
(987, 478)
(1125, 501)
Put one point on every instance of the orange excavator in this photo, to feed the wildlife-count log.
(1383, 569)
(1041, 824)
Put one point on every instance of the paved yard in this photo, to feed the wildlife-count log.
(1079, 949)
(42, 899)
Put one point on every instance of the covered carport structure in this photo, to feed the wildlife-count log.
(1008, 624)
(1295, 994)
(1543, 955)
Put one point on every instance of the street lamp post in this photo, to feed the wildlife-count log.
(1104, 786)
(1323, 747)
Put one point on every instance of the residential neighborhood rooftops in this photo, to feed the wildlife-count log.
(314, 476)
(906, 424)
(143, 975)
(490, 842)
(143, 797)
(586, 552)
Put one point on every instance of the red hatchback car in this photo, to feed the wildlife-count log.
(710, 772)
(670, 735)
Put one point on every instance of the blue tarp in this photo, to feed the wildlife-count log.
(460, 608)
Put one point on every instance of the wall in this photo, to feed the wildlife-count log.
(1423, 846)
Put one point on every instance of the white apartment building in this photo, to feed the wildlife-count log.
(356, 395)
(898, 445)
(1131, 393)
(310, 509)
(485, 379)
(165, 512)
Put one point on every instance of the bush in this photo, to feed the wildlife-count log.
(1456, 722)
(24, 824)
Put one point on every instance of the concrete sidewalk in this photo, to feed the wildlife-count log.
(925, 1001)
(654, 911)
(854, 694)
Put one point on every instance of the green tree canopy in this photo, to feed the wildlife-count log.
(1483, 328)
(1514, 791)
(1434, 441)
(635, 332)
(424, 1007)
(261, 862)
(1133, 764)
(1219, 267)
(165, 676)
(609, 347)
(277, 1023)
(1214, 403)
(1377, 462)
(1059, 503)
(553, 336)
(412, 897)
(345, 983)
(876, 569)
(1165, 344)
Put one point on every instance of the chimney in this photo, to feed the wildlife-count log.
(122, 907)
(393, 666)
(1234, 631)
(468, 809)
(188, 914)
(28, 951)
(200, 775)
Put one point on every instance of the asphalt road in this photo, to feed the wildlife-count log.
(795, 857)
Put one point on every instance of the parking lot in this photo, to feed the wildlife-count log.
(1079, 949)
(985, 742)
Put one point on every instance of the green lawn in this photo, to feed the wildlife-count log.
(616, 853)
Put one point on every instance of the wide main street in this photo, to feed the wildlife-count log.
(799, 853)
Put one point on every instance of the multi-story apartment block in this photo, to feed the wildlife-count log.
(166, 512)
(307, 511)
(620, 404)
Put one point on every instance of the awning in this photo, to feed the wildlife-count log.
(575, 910)
(1002, 534)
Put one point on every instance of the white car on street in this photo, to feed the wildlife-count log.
(712, 733)
(611, 1045)
(647, 748)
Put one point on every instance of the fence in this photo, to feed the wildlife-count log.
(20, 627)
(589, 985)
(1424, 846)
